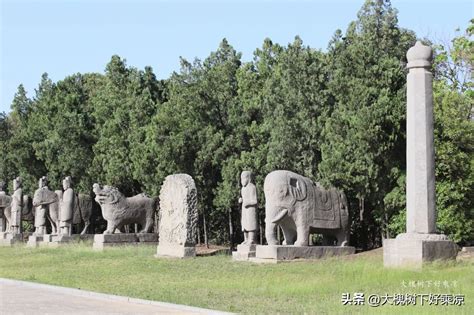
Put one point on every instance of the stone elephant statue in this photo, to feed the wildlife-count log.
(301, 207)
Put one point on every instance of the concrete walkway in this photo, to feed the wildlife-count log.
(20, 297)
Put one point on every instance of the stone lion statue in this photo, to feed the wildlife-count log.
(119, 210)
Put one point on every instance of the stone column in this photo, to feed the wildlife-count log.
(421, 208)
(420, 243)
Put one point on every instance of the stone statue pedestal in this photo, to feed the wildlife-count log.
(244, 252)
(175, 250)
(9, 239)
(278, 253)
(102, 241)
(47, 239)
(61, 240)
(468, 249)
(34, 240)
(412, 249)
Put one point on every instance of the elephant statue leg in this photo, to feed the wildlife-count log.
(302, 235)
(270, 233)
(342, 237)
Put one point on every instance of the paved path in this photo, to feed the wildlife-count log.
(20, 297)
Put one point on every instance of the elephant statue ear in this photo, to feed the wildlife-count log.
(298, 189)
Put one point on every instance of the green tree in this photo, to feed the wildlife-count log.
(363, 151)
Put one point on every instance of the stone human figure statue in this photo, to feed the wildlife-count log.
(16, 206)
(249, 208)
(4, 202)
(66, 208)
(40, 211)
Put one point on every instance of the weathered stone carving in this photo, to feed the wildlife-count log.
(82, 211)
(249, 208)
(41, 210)
(66, 207)
(119, 210)
(5, 202)
(49, 200)
(301, 207)
(178, 217)
(16, 206)
(27, 213)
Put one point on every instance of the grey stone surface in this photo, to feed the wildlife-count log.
(244, 252)
(119, 210)
(66, 208)
(421, 214)
(20, 297)
(468, 249)
(82, 210)
(5, 202)
(34, 240)
(416, 252)
(178, 217)
(290, 252)
(421, 243)
(41, 211)
(10, 239)
(301, 207)
(249, 203)
(16, 206)
(63, 239)
(102, 241)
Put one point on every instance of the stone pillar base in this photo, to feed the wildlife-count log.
(102, 241)
(244, 252)
(175, 250)
(413, 250)
(9, 239)
(34, 240)
(276, 253)
(468, 249)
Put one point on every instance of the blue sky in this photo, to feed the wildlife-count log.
(70, 36)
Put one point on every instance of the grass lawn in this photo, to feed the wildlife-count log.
(217, 282)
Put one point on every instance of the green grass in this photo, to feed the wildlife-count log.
(219, 283)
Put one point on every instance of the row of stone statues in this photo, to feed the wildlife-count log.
(293, 202)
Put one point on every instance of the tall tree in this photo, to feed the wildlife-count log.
(363, 150)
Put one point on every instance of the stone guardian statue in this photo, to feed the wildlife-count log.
(249, 208)
(40, 211)
(16, 206)
(66, 208)
(5, 202)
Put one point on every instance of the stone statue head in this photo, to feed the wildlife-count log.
(17, 183)
(107, 194)
(246, 178)
(43, 182)
(67, 182)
